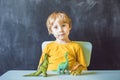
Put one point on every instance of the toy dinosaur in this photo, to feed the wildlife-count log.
(64, 65)
(42, 68)
(76, 69)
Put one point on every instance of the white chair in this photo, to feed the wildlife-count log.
(86, 46)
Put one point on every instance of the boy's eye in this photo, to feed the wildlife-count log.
(63, 25)
(55, 27)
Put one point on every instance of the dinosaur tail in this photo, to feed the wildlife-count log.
(33, 74)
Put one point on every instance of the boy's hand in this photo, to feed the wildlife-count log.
(77, 69)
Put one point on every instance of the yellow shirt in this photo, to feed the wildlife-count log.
(56, 52)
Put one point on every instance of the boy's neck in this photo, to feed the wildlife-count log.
(63, 41)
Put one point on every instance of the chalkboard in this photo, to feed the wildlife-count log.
(23, 29)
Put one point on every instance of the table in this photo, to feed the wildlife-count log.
(52, 75)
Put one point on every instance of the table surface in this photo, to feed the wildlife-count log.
(52, 75)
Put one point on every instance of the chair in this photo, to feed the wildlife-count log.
(86, 46)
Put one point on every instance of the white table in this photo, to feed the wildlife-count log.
(86, 75)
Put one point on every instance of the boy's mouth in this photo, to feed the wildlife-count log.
(61, 34)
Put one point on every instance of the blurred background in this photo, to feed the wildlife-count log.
(23, 29)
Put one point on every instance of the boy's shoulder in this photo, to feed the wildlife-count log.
(75, 43)
(50, 43)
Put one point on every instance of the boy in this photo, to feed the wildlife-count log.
(59, 25)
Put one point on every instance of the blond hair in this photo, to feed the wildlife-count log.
(62, 16)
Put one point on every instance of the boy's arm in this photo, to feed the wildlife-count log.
(81, 59)
(80, 64)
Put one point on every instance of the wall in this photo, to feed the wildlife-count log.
(23, 29)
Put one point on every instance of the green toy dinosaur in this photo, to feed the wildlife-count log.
(64, 65)
(42, 68)
(76, 69)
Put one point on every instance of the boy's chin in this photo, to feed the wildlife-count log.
(61, 38)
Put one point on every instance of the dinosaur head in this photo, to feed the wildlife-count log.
(66, 54)
(46, 56)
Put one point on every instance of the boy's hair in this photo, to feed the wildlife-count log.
(62, 16)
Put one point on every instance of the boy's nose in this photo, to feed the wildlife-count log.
(60, 29)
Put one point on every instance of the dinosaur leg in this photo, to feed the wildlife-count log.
(44, 74)
(38, 73)
(67, 71)
(59, 71)
(63, 71)
(74, 73)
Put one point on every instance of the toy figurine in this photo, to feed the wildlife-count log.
(76, 69)
(64, 65)
(42, 69)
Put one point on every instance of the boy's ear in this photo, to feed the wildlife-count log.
(50, 32)
(70, 28)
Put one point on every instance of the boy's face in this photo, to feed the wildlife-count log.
(60, 30)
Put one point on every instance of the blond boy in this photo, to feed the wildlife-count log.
(59, 25)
